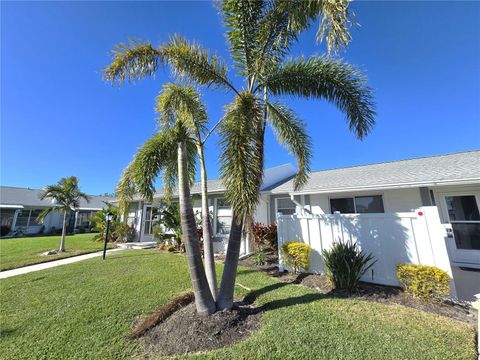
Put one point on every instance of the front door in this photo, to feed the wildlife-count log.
(462, 212)
(150, 218)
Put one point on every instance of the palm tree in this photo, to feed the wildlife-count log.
(173, 152)
(66, 194)
(260, 34)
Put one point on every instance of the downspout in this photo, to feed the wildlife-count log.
(303, 210)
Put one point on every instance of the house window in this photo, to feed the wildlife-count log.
(286, 206)
(224, 217)
(84, 218)
(27, 218)
(357, 204)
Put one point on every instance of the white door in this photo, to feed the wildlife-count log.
(462, 212)
(150, 217)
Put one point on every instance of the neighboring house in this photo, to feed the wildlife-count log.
(143, 215)
(423, 210)
(19, 208)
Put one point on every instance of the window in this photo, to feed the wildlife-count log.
(358, 204)
(83, 218)
(28, 218)
(465, 219)
(224, 217)
(286, 206)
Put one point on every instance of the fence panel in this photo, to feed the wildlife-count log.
(411, 237)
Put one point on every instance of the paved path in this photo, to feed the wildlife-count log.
(51, 264)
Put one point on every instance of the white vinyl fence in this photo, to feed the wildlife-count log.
(412, 237)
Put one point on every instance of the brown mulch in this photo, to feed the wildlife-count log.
(162, 313)
(187, 332)
(370, 292)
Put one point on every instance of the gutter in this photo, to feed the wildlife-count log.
(383, 187)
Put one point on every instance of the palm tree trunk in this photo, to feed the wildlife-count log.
(227, 286)
(203, 297)
(64, 232)
(207, 229)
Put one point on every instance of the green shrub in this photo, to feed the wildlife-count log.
(170, 248)
(345, 264)
(296, 255)
(422, 281)
(259, 258)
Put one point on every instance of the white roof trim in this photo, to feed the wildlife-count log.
(5, 206)
(388, 186)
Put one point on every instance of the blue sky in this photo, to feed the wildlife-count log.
(58, 118)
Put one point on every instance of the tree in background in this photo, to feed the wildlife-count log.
(66, 196)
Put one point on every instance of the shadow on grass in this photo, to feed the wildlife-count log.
(252, 296)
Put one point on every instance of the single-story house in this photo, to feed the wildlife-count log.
(143, 215)
(19, 208)
(361, 200)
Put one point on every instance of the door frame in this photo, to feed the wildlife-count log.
(458, 256)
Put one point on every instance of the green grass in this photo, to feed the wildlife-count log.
(18, 252)
(86, 310)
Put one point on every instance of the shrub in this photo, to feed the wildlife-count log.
(422, 281)
(265, 236)
(259, 258)
(4, 230)
(123, 232)
(345, 264)
(170, 248)
(296, 255)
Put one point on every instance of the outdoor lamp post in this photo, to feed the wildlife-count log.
(109, 218)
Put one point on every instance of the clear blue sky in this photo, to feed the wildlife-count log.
(58, 118)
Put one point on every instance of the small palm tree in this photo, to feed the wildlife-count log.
(66, 195)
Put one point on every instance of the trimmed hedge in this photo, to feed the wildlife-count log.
(296, 255)
(422, 281)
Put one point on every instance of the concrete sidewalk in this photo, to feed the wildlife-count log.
(51, 264)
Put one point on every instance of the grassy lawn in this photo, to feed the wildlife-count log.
(85, 311)
(18, 252)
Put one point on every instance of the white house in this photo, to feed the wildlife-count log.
(143, 215)
(19, 208)
(366, 198)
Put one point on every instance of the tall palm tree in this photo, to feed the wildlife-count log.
(66, 195)
(173, 152)
(260, 34)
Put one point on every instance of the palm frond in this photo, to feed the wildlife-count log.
(181, 103)
(332, 80)
(192, 61)
(132, 61)
(43, 214)
(335, 20)
(291, 132)
(125, 189)
(241, 18)
(241, 159)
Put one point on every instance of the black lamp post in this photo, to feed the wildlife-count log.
(109, 218)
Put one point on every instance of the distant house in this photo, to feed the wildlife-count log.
(19, 208)
(142, 215)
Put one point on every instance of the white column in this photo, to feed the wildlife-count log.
(14, 220)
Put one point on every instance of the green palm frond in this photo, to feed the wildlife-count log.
(332, 80)
(43, 214)
(241, 156)
(133, 61)
(181, 103)
(125, 189)
(241, 18)
(192, 61)
(291, 132)
(335, 19)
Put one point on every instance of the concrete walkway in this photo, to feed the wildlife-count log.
(51, 264)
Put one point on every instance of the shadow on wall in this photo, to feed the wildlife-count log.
(390, 237)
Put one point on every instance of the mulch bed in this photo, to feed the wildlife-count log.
(370, 292)
(187, 332)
